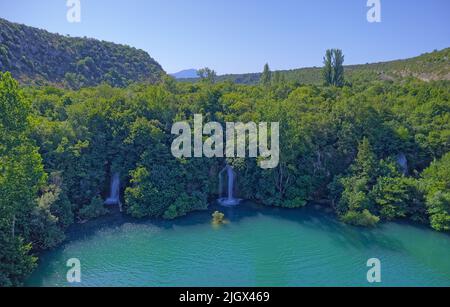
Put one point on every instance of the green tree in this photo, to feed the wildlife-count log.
(266, 77)
(21, 178)
(327, 71)
(436, 186)
(399, 197)
(93, 210)
(333, 69)
(16, 263)
(355, 202)
(366, 162)
(207, 75)
(364, 218)
(338, 68)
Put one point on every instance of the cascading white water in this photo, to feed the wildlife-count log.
(229, 200)
(230, 175)
(402, 161)
(114, 197)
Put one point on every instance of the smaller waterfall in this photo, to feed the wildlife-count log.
(229, 200)
(114, 196)
(402, 161)
(230, 176)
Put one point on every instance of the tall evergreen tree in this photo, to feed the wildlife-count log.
(266, 77)
(328, 68)
(333, 70)
(365, 164)
(338, 68)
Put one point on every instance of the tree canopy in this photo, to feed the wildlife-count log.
(59, 149)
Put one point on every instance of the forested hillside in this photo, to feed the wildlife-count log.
(372, 144)
(430, 66)
(375, 151)
(35, 56)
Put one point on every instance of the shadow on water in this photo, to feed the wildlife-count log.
(314, 222)
(341, 234)
(308, 217)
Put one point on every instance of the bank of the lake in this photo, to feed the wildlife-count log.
(258, 247)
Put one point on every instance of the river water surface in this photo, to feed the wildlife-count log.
(258, 247)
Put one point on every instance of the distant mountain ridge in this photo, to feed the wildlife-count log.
(35, 56)
(187, 73)
(428, 67)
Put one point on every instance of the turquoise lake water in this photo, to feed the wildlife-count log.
(258, 247)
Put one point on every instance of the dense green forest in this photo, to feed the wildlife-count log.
(35, 56)
(340, 145)
(427, 67)
(372, 144)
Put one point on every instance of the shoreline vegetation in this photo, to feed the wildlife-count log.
(254, 231)
(376, 149)
(218, 218)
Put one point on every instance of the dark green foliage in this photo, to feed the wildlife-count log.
(21, 177)
(436, 185)
(170, 190)
(39, 57)
(207, 75)
(374, 189)
(399, 197)
(338, 68)
(363, 218)
(266, 77)
(94, 209)
(328, 67)
(333, 69)
(15, 261)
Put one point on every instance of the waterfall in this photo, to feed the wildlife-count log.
(402, 161)
(230, 175)
(229, 199)
(114, 196)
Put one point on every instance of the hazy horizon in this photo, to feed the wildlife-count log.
(235, 37)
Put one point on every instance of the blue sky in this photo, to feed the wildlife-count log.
(237, 36)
